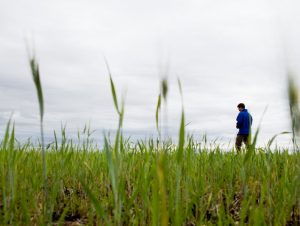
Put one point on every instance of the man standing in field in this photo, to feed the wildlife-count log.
(243, 123)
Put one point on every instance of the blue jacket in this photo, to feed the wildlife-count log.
(244, 122)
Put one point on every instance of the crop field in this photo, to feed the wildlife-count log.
(143, 185)
(147, 182)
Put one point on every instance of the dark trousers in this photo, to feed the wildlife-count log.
(240, 139)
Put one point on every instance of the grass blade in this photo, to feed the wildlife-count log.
(182, 128)
(112, 86)
(113, 91)
(157, 111)
(270, 142)
(95, 202)
(294, 109)
(37, 82)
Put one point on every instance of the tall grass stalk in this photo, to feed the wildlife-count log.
(162, 104)
(164, 93)
(157, 119)
(115, 161)
(294, 110)
(38, 86)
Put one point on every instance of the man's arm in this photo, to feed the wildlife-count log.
(239, 121)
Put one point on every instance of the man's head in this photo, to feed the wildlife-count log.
(241, 106)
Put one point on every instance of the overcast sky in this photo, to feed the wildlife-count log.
(224, 52)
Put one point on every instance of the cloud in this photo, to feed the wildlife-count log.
(224, 52)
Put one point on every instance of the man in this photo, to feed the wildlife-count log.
(243, 123)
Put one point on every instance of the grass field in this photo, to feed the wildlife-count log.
(147, 182)
(143, 185)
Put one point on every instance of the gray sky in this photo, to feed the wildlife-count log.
(224, 52)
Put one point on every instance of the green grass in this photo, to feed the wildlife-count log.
(150, 182)
(149, 186)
